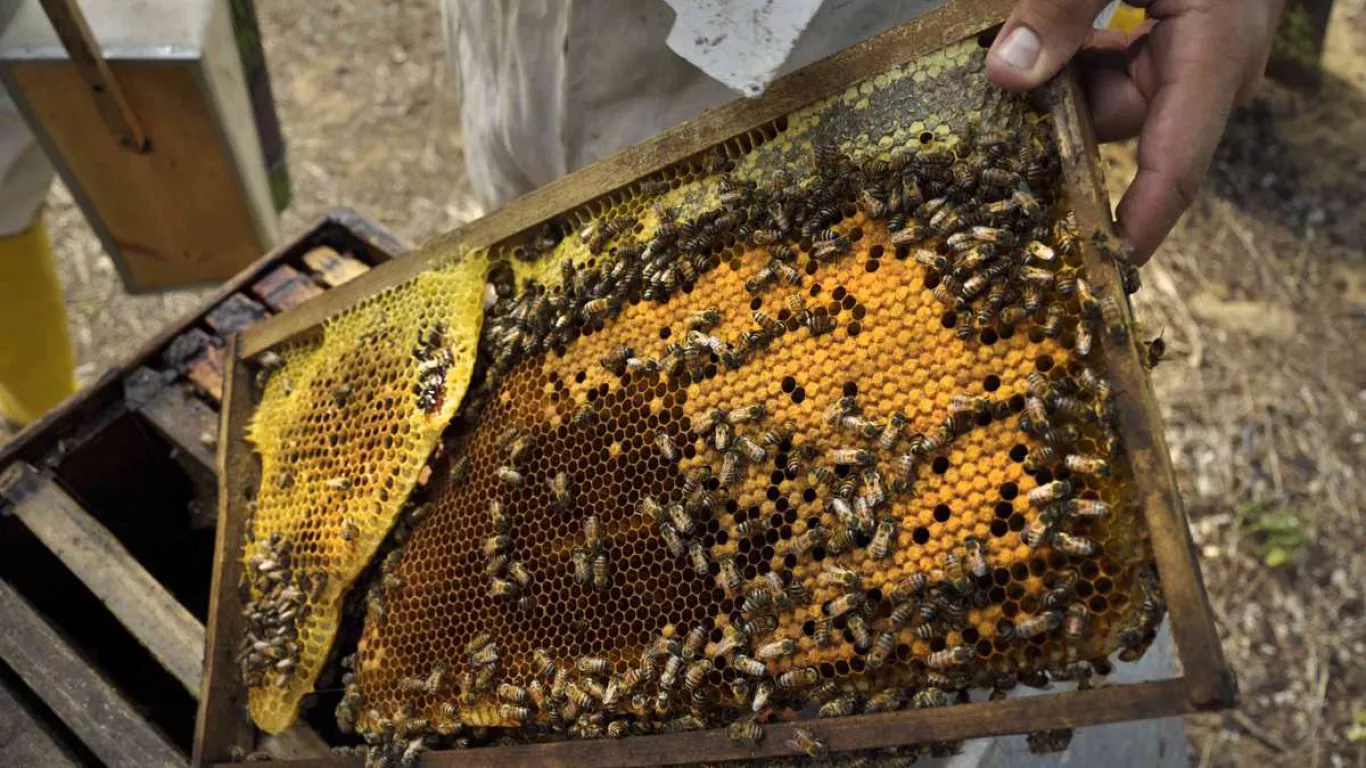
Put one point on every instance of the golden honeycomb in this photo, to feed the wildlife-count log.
(815, 419)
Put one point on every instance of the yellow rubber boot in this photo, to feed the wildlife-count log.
(36, 368)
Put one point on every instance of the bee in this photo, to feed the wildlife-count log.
(752, 451)
(884, 540)
(1041, 529)
(559, 490)
(349, 530)
(459, 469)
(801, 677)
(592, 533)
(1085, 340)
(601, 572)
(1114, 320)
(747, 732)
(698, 554)
(695, 674)
(730, 468)
(950, 657)
(844, 604)
(1091, 508)
(999, 177)
(667, 678)
(814, 537)
(486, 656)
(519, 574)
(693, 642)
(1077, 621)
(1038, 624)
(840, 707)
(975, 557)
(779, 435)
(831, 249)
(776, 649)
(509, 476)
(584, 416)
(592, 665)
(803, 741)
(666, 447)
(1153, 352)
(545, 665)
(1038, 252)
(1077, 546)
(839, 576)
(1081, 464)
(853, 457)
(1032, 299)
(513, 694)
(615, 361)
(721, 436)
(1090, 305)
(708, 421)
(929, 698)
(496, 544)
(704, 319)
(1049, 493)
(583, 566)
(499, 588)
(819, 324)
(500, 521)
(729, 578)
(672, 540)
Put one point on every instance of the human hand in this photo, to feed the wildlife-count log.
(1172, 82)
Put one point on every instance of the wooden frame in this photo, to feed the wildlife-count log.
(1207, 682)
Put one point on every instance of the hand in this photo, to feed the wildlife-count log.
(1172, 82)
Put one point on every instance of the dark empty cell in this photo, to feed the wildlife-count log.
(1019, 572)
(767, 553)
(775, 519)
(848, 302)
(1007, 331)
(940, 465)
(839, 293)
(984, 648)
(875, 252)
(1104, 585)
(1043, 363)
(732, 506)
(920, 535)
(1037, 567)
(942, 513)
(855, 234)
(710, 371)
(771, 536)
(722, 537)
(775, 478)
(1009, 490)
(781, 505)
(1017, 403)
(809, 495)
(850, 389)
(1084, 589)
(808, 628)
(1089, 569)
(1001, 576)
(815, 289)
(799, 395)
(931, 280)
(938, 644)
(926, 137)
(841, 667)
(860, 312)
(855, 328)
(987, 336)
(1009, 609)
(948, 319)
(811, 267)
(817, 554)
(991, 383)
(827, 670)
(999, 528)
(871, 265)
(1099, 604)
(756, 303)
(996, 595)
(1016, 523)
(790, 560)
(580, 376)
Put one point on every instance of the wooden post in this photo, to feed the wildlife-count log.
(84, 49)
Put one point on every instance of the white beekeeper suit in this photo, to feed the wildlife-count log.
(549, 86)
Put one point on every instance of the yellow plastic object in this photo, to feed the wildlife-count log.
(35, 349)
(343, 430)
(570, 431)
(1120, 17)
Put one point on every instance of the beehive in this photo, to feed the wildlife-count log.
(833, 383)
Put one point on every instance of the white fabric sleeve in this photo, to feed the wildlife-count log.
(25, 174)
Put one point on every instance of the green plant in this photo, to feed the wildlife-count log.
(1279, 533)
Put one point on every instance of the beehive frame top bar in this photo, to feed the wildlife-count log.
(1206, 676)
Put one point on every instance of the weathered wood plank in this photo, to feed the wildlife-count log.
(153, 616)
(222, 722)
(1140, 419)
(922, 35)
(285, 287)
(235, 313)
(996, 718)
(333, 268)
(92, 708)
(25, 740)
(184, 420)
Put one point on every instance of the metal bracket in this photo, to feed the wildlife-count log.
(72, 29)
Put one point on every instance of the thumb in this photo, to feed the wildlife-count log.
(1038, 39)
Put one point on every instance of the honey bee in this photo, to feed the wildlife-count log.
(776, 649)
(459, 469)
(583, 566)
(819, 324)
(1038, 624)
(509, 476)
(1049, 493)
(779, 435)
(950, 657)
(592, 665)
(496, 543)
(929, 698)
(1077, 621)
(349, 530)
(584, 416)
(1041, 529)
(519, 574)
(1113, 318)
(801, 677)
(839, 576)
(499, 588)
(592, 533)
(814, 537)
(803, 741)
(513, 694)
(1090, 306)
(844, 604)
(672, 540)
(884, 540)
(601, 572)
(752, 451)
(729, 578)
(721, 436)
(484, 657)
(1081, 464)
(975, 557)
(831, 249)
(840, 707)
(747, 732)
(853, 457)
(1153, 351)
(1092, 508)
(730, 468)
(615, 361)
(698, 554)
(1077, 546)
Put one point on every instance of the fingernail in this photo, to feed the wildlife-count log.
(1020, 49)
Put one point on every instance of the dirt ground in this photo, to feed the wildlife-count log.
(1260, 294)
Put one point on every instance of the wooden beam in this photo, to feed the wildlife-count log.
(92, 708)
(285, 287)
(1140, 419)
(1109, 704)
(26, 740)
(112, 103)
(159, 622)
(185, 421)
(333, 268)
(221, 722)
(927, 33)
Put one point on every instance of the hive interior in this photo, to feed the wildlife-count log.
(867, 259)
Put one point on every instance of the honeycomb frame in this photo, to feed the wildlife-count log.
(1074, 150)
